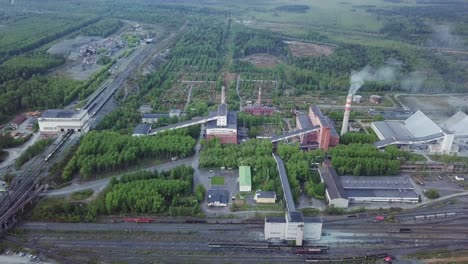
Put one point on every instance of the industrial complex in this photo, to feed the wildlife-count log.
(54, 121)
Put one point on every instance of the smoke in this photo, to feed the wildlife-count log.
(413, 81)
(386, 73)
(442, 37)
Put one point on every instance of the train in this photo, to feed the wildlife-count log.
(433, 216)
(64, 138)
(307, 251)
(384, 256)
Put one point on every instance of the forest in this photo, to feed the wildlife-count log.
(106, 151)
(32, 151)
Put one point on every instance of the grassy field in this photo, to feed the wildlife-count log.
(81, 195)
(217, 180)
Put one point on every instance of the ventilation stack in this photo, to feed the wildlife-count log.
(223, 95)
(259, 100)
(347, 112)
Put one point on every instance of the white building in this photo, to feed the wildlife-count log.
(293, 227)
(54, 121)
(334, 193)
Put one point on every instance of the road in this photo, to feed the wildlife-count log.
(99, 185)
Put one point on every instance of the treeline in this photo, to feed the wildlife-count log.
(366, 160)
(300, 175)
(106, 151)
(103, 28)
(248, 42)
(356, 137)
(33, 151)
(254, 153)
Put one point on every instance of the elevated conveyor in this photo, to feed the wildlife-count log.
(195, 121)
(295, 133)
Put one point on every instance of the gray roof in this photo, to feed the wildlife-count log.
(393, 129)
(457, 124)
(231, 120)
(142, 129)
(304, 120)
(320, 116)
(375, 182)
(295, 217)
(330, 178)
(266, 194)
(157, 115)
(59, 113)
(220, 196)
(310, 219)
(419, 125)
(275, 220)
(285, 184)
(374, 193)
(222, 109)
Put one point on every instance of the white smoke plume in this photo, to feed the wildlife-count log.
(358, 78)
(442, 37)
(413, 81)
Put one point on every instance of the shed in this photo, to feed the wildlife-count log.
(141, 130)
(265, 197)
(245, 179)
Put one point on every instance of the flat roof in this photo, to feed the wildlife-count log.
(295, 217)
(231, 120)
(142, 129)
(330, 178)
(382, 193)
(156, 115)
(245, 177)
(275, 220)
(61, 113)
(265, 194)
(313, 219)
(375, 182)
(304, 120)
(222, 109)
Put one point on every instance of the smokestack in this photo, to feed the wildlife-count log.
(223, 95)
(259, 101)
(347, 111)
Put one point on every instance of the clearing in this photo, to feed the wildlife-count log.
(262, 60)
(304, 49)
(217, 180)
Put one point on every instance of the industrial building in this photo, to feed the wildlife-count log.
(141, 130)
(245, 179)
(265, 197)
(323, 138)
(258, 109)
(54, 121)
(343, 190)
(224, 127)
(375, 99)
(152, 118)
(218, 198)
(419, 129)
(293, 227)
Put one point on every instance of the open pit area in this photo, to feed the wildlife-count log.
(262, 60)
(304, 49)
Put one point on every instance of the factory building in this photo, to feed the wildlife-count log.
(293, 227)
(375, 99)
(54, 121)
(419, 130)
(344, 190)
(325, 137)
(245, 179)
(225, 126)
(141, 130)
(258, 109)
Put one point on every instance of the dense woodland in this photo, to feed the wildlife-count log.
(101, 152)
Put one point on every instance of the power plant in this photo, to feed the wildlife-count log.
(347, 112)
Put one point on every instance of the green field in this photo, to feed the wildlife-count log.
(217, 180)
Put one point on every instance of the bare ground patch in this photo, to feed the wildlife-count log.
(262, 60)
(304, 49)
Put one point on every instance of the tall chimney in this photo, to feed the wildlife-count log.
(259, 101)
(223, 95)
(347, 111)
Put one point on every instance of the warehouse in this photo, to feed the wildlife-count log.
(343, 190)
(245, 179)
(54, 121)
(420, 130)
(141, 130)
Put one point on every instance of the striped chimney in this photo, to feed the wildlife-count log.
(347, 111)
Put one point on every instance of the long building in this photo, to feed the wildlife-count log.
(325, 137)
(54, 121)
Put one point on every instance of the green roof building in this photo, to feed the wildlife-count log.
(245, 179)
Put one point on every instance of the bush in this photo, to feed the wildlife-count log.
(432, 194)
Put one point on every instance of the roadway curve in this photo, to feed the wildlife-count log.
(99, 185)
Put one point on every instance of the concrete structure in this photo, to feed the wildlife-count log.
(324, 137)
(54, 121)
(419, 129)
(293, 227)
(152, 118)
(141, 130)
(245, 179)
(175, 113)
(347, 112)
(265, 197)
(357, 98)
(343, 190)
(258, 109)
(375, 99)
(218, 198)
(225, 126)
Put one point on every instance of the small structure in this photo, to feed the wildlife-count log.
(218, 198)
(175, 113)
(149, 40)
(54, 121)
(265, 197)
(357, 98)
(17, 121)
(375, 99)
(245, 179)
(258, 109)
(141, 130)
(152, 118)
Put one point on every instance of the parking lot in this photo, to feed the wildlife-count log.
(444, 184)
(230, 184)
